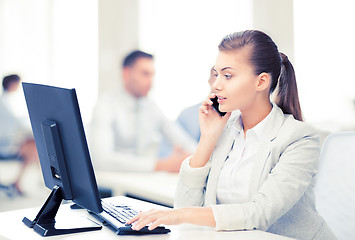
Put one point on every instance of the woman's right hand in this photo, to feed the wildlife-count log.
(211, 123)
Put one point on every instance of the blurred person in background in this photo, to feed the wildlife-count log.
(188, 120)
(127, 127)
(16, 139)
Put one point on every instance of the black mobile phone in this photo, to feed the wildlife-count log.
(215, 105)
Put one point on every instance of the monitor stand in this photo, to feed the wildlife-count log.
(44, 223)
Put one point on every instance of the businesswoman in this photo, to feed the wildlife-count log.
(255, 168)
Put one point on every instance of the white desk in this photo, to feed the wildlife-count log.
(11, 227)
(158, 187)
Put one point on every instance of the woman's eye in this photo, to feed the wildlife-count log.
(228, 76)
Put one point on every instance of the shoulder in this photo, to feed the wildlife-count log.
(150, 106)
(108, 97)
(295, 128)
(107, 103)
(293, 133)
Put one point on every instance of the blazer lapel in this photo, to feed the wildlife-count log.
(259, 173)
(258, 170)
(219, 156)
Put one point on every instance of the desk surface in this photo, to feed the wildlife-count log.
(11, 227)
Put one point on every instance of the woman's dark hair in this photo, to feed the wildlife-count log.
(266, 58)
(8, 80)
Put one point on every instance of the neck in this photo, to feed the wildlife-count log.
(130, 93)
(255, 113)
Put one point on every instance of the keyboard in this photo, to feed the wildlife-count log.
(124, 213)
(120, 213)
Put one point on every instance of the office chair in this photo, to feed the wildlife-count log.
(335, 187)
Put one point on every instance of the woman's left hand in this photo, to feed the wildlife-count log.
(156, 218)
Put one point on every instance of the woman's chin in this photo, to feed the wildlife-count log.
(224, 109)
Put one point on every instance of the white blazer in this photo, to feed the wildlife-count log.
(281, 184)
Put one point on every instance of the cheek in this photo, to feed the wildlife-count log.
(241, 93)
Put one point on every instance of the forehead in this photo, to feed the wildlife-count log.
(235, 59)
(143, 61)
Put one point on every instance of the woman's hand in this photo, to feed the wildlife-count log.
(194, 215)
(156, 218)
(211, 126)
(211, 123)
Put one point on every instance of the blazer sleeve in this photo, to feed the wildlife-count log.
(282, 189)
(191, 186)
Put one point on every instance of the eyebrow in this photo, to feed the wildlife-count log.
(225, 68)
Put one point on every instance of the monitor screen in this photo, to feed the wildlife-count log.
(61, 143)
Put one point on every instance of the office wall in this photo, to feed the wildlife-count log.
(25, 40)
(275, 17)
(324, 44)
(118, 34)
(52, 42)
(74, 50)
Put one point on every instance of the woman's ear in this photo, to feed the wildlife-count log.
(263, 81)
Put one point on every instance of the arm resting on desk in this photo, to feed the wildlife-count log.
(194, 215)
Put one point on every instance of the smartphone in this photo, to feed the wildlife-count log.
(215, 105)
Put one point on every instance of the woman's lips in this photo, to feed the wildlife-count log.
(221, 99)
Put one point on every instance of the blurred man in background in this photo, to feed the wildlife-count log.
(127, 127)
(16, 139)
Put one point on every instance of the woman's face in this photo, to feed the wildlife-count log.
(235, 84)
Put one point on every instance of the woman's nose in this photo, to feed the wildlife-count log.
(216, 86)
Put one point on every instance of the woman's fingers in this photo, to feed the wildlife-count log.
(144, 221)
(155, 224)
(206, 105)
(135, 218)
(153, 218)
(203, 109)
(207, 102)
(212, 95)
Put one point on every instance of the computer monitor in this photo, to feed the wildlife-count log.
(64, 156)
